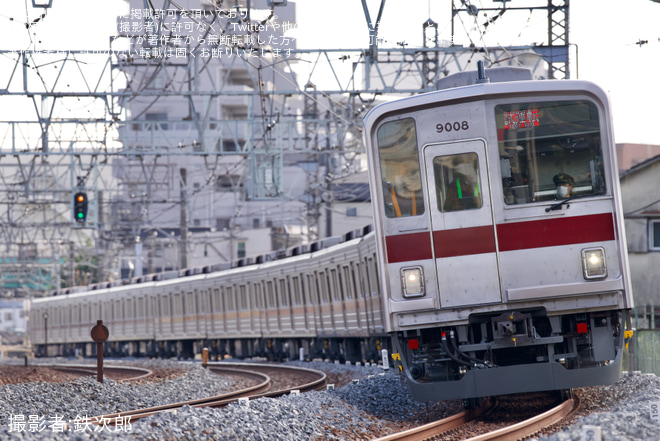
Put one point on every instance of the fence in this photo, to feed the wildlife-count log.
(644, 351)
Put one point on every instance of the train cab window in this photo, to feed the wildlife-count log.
(548, 145)
(457, 182)
(400, 169)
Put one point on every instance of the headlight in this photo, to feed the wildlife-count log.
(412, 281)
(594, 263)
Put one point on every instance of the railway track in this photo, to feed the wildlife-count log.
(457, 424)
(270, 381)
(117, 373)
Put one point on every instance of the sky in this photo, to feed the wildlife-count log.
(603, 37)
(602, 33)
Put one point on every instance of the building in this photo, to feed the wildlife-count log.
(12, 318)
(216, 170)
(629, 155)
(640, 193)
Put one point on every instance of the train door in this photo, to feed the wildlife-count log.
(284, 305)
(463, 235)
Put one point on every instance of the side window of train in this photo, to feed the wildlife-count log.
(284, 293)
(304, 290)
(270, 291)
(258, 296)
(400, 169)
(229, 297)
(322, 286)
(217, 300)
(544, 146)
(347, 282)
(356, 268)
(165, 305)
(295, 288)
(336, 290)
(375, 281)
(177, 304)
(129, 308)
(313, 293)
(107, 310)
(242, 298)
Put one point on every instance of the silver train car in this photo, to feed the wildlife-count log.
(500, 238)
(322, 298)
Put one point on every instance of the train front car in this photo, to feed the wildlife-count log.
(500, 238)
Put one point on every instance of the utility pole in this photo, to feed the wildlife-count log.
(212, 130)
(100, 264)
(183, 243)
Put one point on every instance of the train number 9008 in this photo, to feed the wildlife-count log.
(452, 127)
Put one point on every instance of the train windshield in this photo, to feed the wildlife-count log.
(549, 150)
(400, 169)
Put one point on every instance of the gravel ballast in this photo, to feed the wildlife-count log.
(378, 404)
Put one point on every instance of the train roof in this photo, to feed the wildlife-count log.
(484, 90)
(320, 248)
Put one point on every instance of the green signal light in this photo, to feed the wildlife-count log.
(80, 215)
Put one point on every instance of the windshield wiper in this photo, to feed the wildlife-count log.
(558, 205)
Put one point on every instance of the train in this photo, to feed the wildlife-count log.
(318, 301)
(496, 263)
(500, 235)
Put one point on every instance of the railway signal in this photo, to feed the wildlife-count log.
(80, 207)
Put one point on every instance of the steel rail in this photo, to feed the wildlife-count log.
(260, 390)
(513, 432)
(84, 370)
(214, 401)
(317, 383)
(532, 425)
(437, 427)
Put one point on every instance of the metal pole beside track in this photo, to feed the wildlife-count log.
(99, 334)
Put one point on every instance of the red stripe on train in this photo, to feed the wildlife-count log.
(555, 232)
(510, 236)
(464, 241)
(406, 247)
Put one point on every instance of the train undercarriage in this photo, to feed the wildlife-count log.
(342, 350)
(512, 352)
